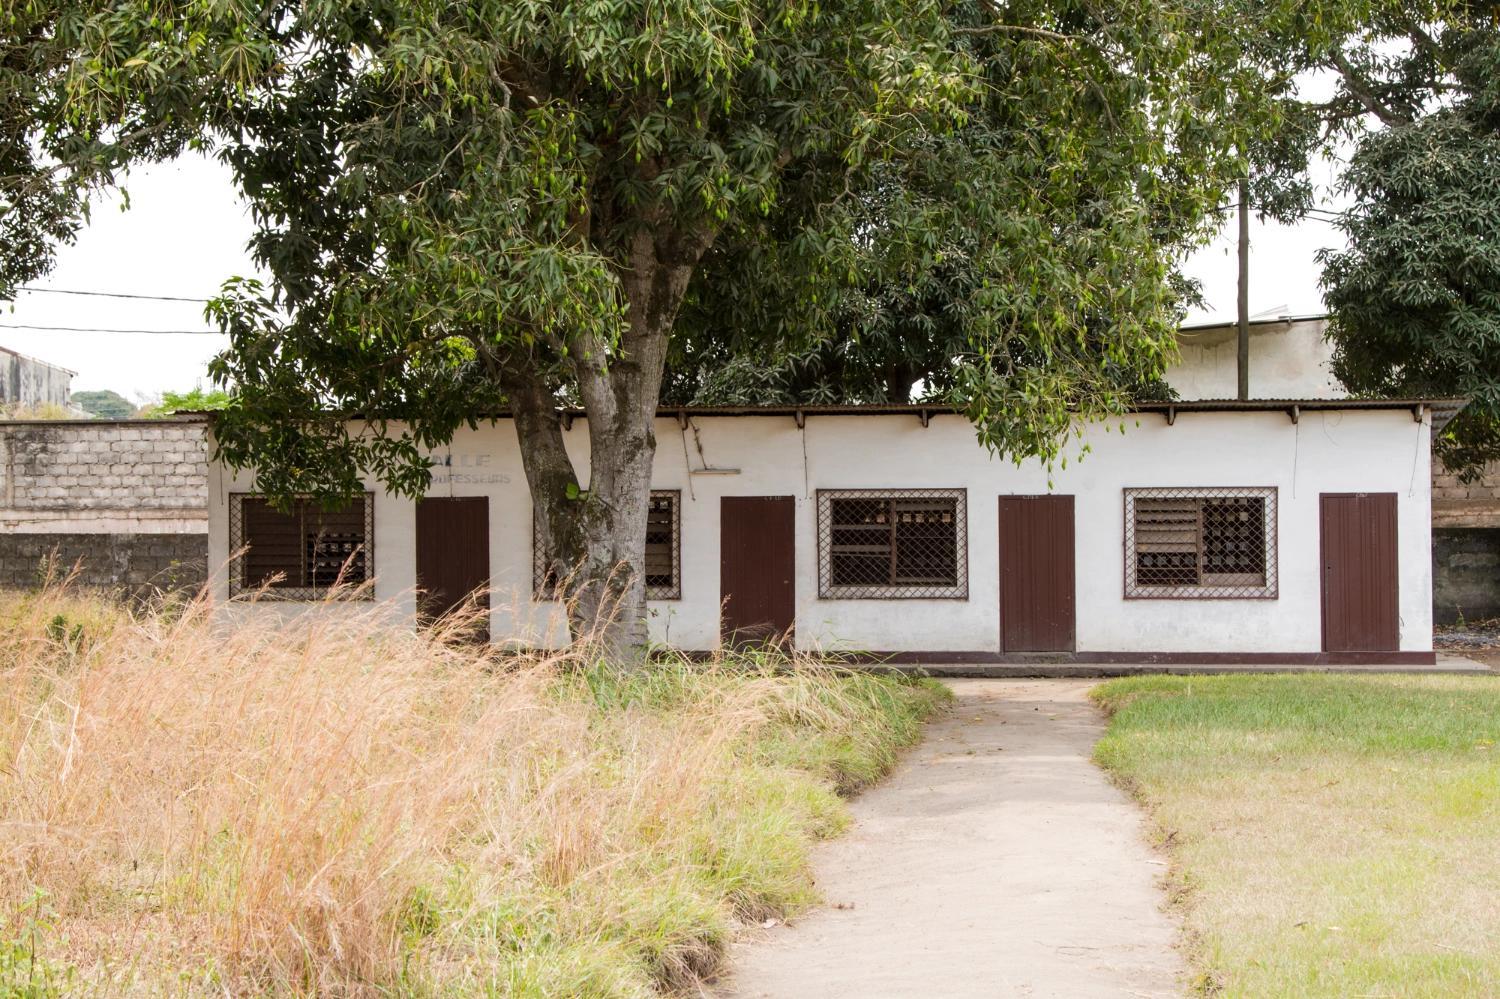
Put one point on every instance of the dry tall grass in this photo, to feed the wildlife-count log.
(332, 806)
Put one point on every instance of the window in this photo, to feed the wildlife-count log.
(663, 547)
(301, 554)
(892, 543)
(663, 551)
(1202, 543)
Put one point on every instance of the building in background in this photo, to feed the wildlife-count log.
(27, 384)
(1288, 358)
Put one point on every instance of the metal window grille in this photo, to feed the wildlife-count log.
(1201, 543)
(664, 546)
(884, 544)
(663, 551)
(301, 554)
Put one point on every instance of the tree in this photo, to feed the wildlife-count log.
(79, 100)
(1415, 298)
(907, 325)
(104, 404)
(476, 206)
(495, 205)
(39, 207)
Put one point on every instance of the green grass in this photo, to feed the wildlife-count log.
(1329, 835)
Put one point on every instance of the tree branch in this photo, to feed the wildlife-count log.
(1013, 29)
(1017, 29)
(1360, 89)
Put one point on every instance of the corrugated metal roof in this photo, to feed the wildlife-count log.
(1286, 320)
(1442, 409)
(1449, 407)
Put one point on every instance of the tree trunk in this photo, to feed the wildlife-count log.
(593, 541)
(899, 378)
(588, 549)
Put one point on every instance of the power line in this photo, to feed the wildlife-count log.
(97, 329)
(111, 294)
(1307, 214)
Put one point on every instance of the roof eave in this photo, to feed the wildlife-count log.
(1450, 407)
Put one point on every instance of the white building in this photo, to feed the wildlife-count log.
(1286, 531)
(1288, 358)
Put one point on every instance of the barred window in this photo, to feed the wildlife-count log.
(1200, 543)
(663, 565)
(892, 544)
(663, 547)
(304, 552)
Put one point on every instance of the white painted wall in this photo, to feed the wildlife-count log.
(1288, 360)
(1344, 451)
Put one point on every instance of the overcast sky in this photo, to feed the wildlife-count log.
(185, 232)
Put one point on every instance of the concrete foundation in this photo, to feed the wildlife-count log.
(134, 563)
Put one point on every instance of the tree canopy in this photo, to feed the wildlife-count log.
(473, 206)
(1415, 298)
(86, 89)
(39, 208)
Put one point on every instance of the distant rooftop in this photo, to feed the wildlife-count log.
(1285, 320)
(37, 360)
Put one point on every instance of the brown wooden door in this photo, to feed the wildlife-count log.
(757, 566)
(453, 555)
(1361, 610)
(1036, 574)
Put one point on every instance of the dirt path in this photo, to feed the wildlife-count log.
(997, 861)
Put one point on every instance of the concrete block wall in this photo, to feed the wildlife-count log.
(125, 500)
(134, 467)
(136, 563)
(1465, 504)
(1465, 545)
(1465, 574)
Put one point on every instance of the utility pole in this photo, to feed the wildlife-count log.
(1244, 302)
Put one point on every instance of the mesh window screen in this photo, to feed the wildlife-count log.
(301, 554)
(1200, 543)
(664, 547)
(891, 544)
(663, 551)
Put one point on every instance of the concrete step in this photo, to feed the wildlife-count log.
(1446, 663)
